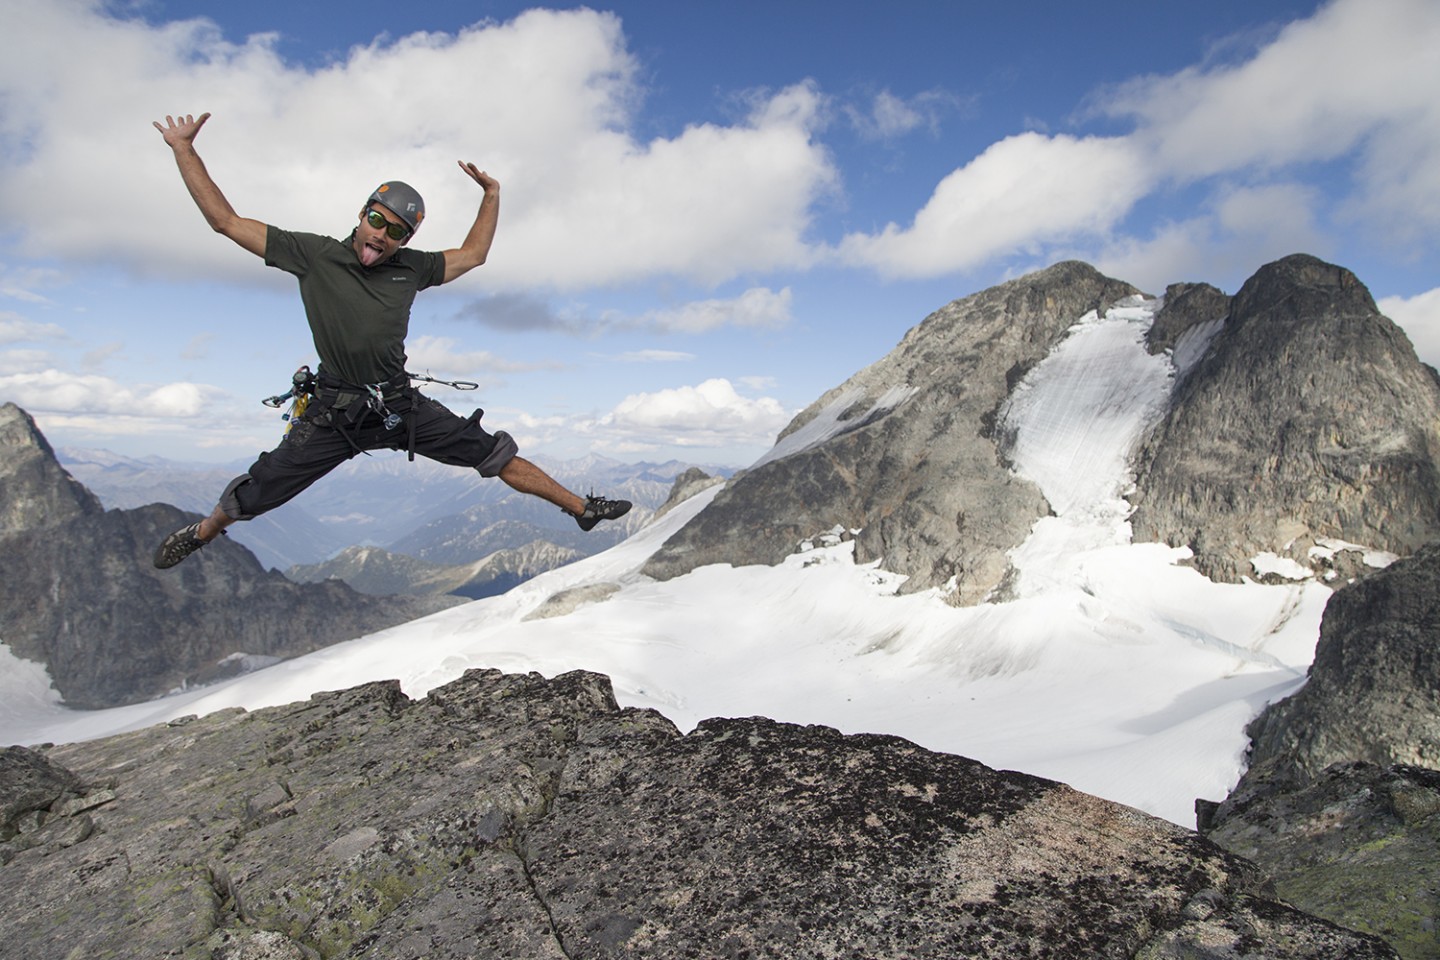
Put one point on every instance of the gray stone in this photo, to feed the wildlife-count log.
(29, 784)
(517, 817)
(1373, 692)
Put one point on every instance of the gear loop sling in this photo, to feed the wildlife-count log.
(305, 386)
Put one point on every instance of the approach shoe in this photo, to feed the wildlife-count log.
(597, 509)
(178, 546)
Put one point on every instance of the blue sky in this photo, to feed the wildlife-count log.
(712, 213)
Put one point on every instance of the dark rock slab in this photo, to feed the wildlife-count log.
(1359, 845)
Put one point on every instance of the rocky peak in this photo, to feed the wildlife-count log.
(1308, 419)
(905, 451)
(82, 598)
(1299, 422)
(35, 491)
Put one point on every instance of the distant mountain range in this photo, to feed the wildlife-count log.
(423, 510)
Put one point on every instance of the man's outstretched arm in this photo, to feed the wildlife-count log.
(180, 135)
(476, 247)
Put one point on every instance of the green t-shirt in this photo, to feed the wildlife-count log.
(358, 315)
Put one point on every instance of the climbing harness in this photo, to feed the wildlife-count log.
(305, 385)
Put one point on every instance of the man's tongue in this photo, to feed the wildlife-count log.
(369, 256)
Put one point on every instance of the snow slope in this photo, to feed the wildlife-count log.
(1115, 670)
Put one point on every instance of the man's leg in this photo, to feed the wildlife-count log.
(522, 475)
(443, 436)
(214, 525)
(305, 455)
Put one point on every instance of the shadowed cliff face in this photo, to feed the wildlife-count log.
(1309, 418)
(511, 816)
(1341, 804)
(82, 597)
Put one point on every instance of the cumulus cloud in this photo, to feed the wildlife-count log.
(1419, 317)
(1024, 190)
(1239, 228)
(709, 414)
(25, 361)
(549, 107)
(1351, 85)
(1359, 75)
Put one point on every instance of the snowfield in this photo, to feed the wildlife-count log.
(1116, 669)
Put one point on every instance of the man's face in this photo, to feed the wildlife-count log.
(373, 244)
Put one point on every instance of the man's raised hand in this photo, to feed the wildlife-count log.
(486, 181)
(182, 130)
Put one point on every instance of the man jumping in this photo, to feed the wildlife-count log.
(357, 294)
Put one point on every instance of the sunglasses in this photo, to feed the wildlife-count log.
(395, 231)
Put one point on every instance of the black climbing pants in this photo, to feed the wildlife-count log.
(337, 426)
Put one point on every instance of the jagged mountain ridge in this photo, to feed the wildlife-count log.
(382, 573)
(82, 597)
(915, 465)
(1300, 415)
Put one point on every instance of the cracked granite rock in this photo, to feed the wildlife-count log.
(510, 816)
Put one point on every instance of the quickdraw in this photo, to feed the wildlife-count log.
(302, 388)
(457, 384)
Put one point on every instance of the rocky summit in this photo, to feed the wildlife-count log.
(517, 817)
(1308, 419)
(82, 597)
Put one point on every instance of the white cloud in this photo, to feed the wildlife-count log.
(756, 307)
(710, 414)
(1353, 84)
(1359, 75)
(52, 391)
(440, 356)
(25, 361)
(1023, 191)
(17, 329)
(545, 105)
(1239, 229)
(889, 116)
(1419, 317)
